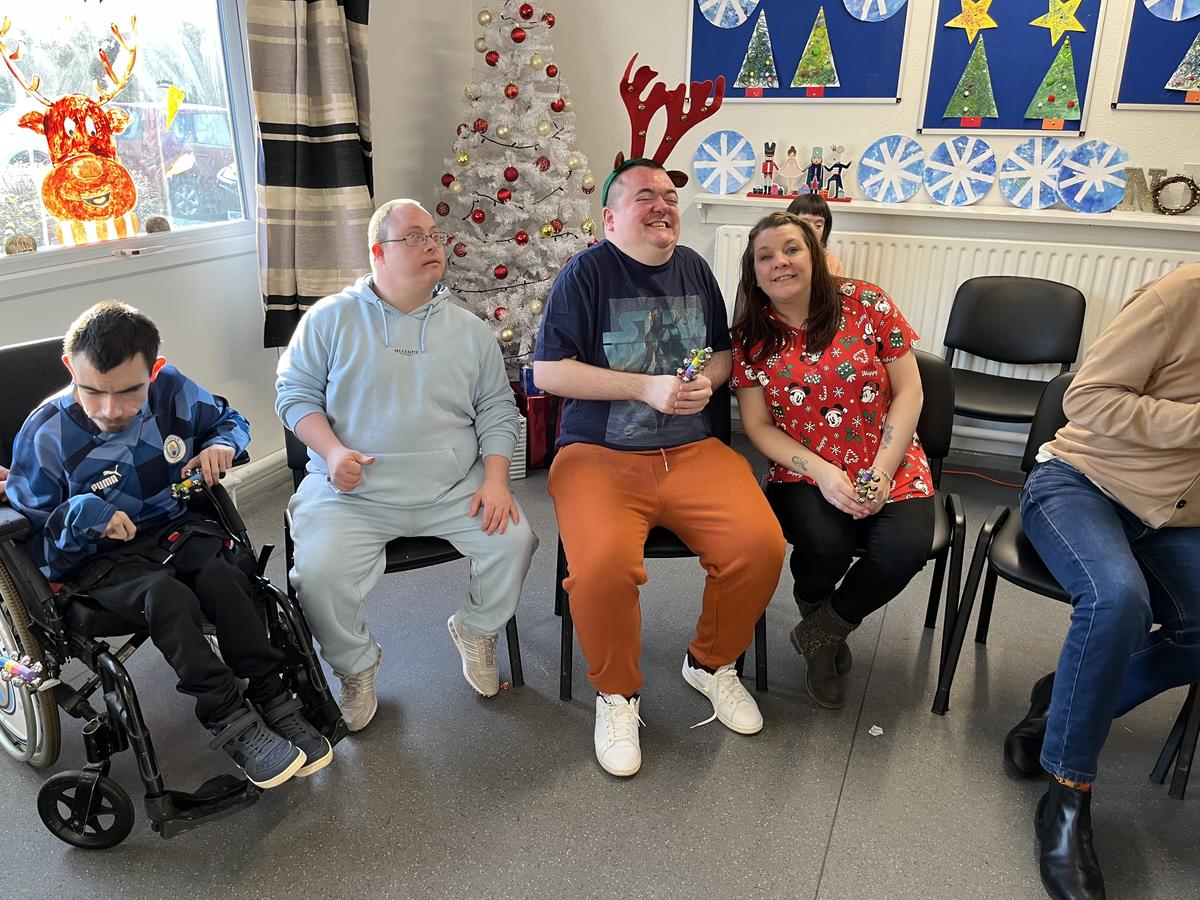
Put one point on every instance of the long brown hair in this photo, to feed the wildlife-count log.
(762, 335)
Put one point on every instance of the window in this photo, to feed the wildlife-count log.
(165, 97)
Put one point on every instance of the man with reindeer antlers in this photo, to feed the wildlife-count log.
(636, 445)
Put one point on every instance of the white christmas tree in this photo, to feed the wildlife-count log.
(514, 194)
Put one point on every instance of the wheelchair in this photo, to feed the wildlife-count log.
(45, 626)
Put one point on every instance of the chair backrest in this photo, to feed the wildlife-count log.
(29, 373)
(720, 416)
(1048, 418)
(936, 423)
(1016, 320)
(297, 456)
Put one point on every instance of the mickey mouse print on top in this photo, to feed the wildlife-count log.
(835, 402)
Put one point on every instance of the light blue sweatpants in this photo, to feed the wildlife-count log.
(339, 544)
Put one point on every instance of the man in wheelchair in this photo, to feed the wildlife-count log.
(93, 469)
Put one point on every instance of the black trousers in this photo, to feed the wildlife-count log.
(203, 581)
(823, 538)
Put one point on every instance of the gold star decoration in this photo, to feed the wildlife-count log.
(1060, 19)
(974, 17)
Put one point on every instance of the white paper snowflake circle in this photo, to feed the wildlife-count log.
(1029, 176)
(890, 170)
(1174, 10)
(727, 13)
(724, 162)
(1092, 177)
(960, 171)
(875, 10)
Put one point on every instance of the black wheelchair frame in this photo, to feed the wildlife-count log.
(87, 808)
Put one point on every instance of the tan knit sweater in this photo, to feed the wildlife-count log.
(1134, 406)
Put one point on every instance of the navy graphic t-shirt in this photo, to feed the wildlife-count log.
(611, 311)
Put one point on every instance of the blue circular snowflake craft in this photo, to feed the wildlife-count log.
(890, 170)
(727, 13)
(1092, 177)
(1173, 10)
(960, 171)
(724, 162)
(875, 10)
(1029, 176)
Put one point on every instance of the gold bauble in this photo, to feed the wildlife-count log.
(588, 180)
(574, 162)
(456, 187)
(588, 226)
(507, 334)
(536, 61)
(481, 45)
(463, 159)
(536, 307)
(547, 230)
(568, 104)
(503, 131)
(544, 128)
(471, 92)
(484, 18)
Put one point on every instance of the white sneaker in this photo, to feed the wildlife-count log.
(478, 652)
(732, 703)
(617, 748)
(358, 702)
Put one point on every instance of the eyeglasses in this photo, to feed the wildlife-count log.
(418, 238)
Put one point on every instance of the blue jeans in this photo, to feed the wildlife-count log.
(1123, 577)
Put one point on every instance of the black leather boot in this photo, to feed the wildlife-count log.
(1066, 857)
(1023, 745)
(844, 658)
(817, 638)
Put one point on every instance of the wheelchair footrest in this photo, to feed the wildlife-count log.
(327, 719)
(174, 812)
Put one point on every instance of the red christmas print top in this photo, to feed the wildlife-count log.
(834, 403)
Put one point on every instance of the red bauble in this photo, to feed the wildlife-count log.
(480, 126)
(504, 195)
(501, 271)
(460, 249)
(462, 126)
(443, 208)
(552, 71)
(557, 104)
(543, 163)
(511, 91)
(511, 174)
(557, 225)
(478, 216)
(1051, 98)
(526, 11)
(590, 190)
(491, 57)
(522, 238)
(592, 242)
(548, 18)
(499, 312)
(446, 179)
(518, 34)
(1070, 104)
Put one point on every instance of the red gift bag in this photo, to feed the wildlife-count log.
(543, 416)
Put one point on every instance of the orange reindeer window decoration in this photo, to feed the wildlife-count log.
(87, 188)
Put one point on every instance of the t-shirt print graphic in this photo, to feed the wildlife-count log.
(651, 336)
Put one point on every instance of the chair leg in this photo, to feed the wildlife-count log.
(1187, 749)
(935, 587)
(514, 653)
(560, 593)
(760, 654)
(985, 607)
(958, 542)
(562, 607)
(1170, 749)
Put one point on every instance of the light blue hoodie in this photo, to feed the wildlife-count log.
(424, 392)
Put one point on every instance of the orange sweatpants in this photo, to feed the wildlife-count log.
(607, 501)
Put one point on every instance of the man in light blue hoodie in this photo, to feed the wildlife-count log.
(402, 399)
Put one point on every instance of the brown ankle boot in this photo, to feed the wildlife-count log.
(817, 638)
(844, 658)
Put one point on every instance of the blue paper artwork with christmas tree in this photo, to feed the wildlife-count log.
(758, 67)
(1092, 177)
(724, 162)
(873, 10)
(1173, 10)
(960, 171)
(891, 169)
(1029, 176)
(727, 13)
(1187, 76)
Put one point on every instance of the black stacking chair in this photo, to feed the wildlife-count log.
(403, 554)
(661, 543)
(1016, 320)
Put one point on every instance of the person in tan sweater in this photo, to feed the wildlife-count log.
(1113, 509)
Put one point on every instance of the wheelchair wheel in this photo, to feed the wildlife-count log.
(105, 820)
(29, 728)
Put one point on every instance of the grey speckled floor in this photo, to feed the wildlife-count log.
(446, 795)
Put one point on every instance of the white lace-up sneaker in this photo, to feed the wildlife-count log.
(478, 652)
(731, 702)
(617, 747)
(358, 702)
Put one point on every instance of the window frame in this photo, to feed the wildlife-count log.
(23, 274)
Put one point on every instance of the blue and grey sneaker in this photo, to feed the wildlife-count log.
(267, 758)
(285, 716)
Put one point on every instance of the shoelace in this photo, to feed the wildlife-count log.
(622, 720)
(479, 647)
(728, 686)
(356, 684)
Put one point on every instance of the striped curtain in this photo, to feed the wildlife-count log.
(308, 66)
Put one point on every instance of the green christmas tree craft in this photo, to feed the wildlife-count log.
(1057, 98)
(1187, 76)
(816, 68)
(758, 68)
(972, 100)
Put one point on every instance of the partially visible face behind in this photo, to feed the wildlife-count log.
(112, 399)
(817, 222)
(645, 219)
(403, 267)
(782, 265)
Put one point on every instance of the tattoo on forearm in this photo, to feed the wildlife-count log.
(887, 437)
(799, 464)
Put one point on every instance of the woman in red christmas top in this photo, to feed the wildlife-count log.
(830, 394)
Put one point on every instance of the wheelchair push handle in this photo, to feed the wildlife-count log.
(24, 670)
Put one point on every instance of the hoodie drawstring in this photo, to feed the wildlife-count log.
(424, 325)
(383, 315)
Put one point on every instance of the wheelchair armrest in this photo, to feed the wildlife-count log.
(228, 512)
(13, 525)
